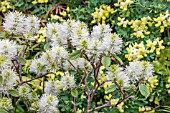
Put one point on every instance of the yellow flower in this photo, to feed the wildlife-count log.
(34, 2)
(151, 99)
(114, 101)
(141, 109)
(157, 101)
(120, 107)
(162, 29)
(100, 102)
(68, 9)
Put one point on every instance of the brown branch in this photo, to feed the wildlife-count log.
(25, 50)
(74, 103)
(121, 91)
(26, 81)
(18, 68)
(108, 104)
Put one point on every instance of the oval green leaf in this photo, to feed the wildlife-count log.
(144, 90)
(14, 92)
(111, 88)
(106, 61)
(74, 93)
(75, 54)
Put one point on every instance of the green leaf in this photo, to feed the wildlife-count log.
(14, 92)
(2, 34)
(111, 88)
(118, 58)
(75, 54)
(106, 61)
(144, 90)
(46, 46)
(22, 60)
(74, 93)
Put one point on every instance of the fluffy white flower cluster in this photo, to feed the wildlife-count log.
(117, 73)
(8, 50)
(70, 30)
(139, 69)
(9, 79)
(50, 60)
(67, 81)
(52, 87)
(24, 90)
(100, 41)
(46, 104)
(6, 103)
(18, 23)
(132, 73)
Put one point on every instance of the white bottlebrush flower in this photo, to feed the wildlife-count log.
(135, 70)
(24, 90)
(38, 66)
(139, 70)
(33, 96)
(31, 24)
(148, 70)
(79, 32)
(59, 52)
(51, 87)
(48, 104)
(101, 31)
(58, 33)
(116, 44)
(8, 48)
(117, 74)
(103, 41)
(50, 61)
(54, 57)
(67, 81)
(14, 22)
(6, 103)
(5, 62)
(9, 80)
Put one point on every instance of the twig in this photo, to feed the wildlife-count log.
(121, 91)
(74, 103)
(24, 51)
(108, 104)
(26, 81)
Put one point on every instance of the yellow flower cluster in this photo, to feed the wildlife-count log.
(139, 51)
(122, 22)
(39, 1)
(168, 85)
(119, 107)
(148, 109)
(123, 4)
(41, 35)
(101, 14)
(153, 82)
(140, 26)
(5, 5)
(162, 21)
(56, 18)
(152, 46)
